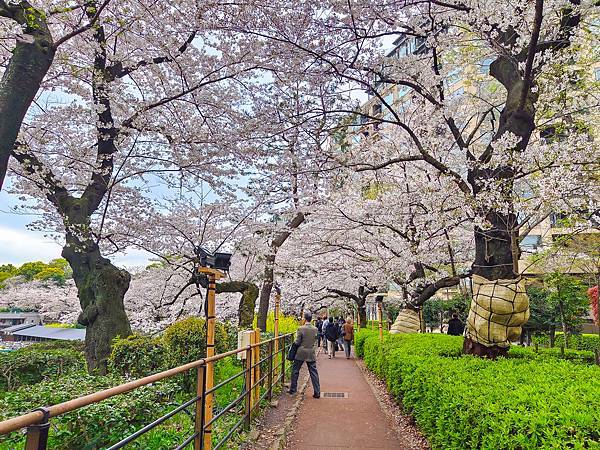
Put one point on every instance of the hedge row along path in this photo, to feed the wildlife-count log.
(355, 422)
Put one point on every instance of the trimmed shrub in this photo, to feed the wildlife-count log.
(33, 364)
(589, 342)
(137, 356)
(460, 401)
(185, 341)
(97, 425)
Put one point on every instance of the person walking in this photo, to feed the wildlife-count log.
(319, 325)
(455, 326)
(348, 336)
(323, 328)
(306, 340)
(340, 340)
(332, 333)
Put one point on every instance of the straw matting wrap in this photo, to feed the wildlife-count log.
(408, 321)
(498, 310)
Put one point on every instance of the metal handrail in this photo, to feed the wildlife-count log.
(43, 414)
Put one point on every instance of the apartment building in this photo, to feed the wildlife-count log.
(577, 245)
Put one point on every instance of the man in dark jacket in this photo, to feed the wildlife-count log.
(306, 340)
(319, 325)
(455, 326)
(332, 333)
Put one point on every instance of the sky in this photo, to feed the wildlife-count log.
(19, 244)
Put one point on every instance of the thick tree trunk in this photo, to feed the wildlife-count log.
(265, 293)
(362, 315)
(101, 288)
(247, 304)
(31, 58)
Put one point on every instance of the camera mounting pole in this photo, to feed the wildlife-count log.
(276, 318)
(213, 275)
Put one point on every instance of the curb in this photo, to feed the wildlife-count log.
(279, 443)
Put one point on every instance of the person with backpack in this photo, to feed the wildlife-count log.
(332, 334)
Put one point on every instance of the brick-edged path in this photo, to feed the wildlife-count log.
(356, 422)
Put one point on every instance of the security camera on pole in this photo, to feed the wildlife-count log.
(214, 267)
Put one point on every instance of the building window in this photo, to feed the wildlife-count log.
(402, 91)
(376, 109)
(453, 77)
(457, 93)
(531, 242)
(419, 45)
(485, 65)
(558, 220)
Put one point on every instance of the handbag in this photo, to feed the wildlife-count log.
(291, 356)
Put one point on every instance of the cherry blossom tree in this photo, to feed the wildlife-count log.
(138, 92)
(500, 134)
(32, 33)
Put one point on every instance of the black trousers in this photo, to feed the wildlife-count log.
(314, 376)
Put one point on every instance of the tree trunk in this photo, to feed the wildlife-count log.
(552, 336)
(362, 314)
(23, 76)
(265, 293)
(247, 304)
(101, 288)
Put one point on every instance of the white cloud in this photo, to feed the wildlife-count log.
(20, 246)
(17, 246)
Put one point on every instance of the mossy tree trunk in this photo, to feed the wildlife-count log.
(247, 304)
(31, 58)
(101, 288)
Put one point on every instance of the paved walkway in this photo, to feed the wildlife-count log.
(356, 422)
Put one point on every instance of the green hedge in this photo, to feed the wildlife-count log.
(529, 401)
(589, 342)
(182, 342)
(35, 363)
(96, 425)
(137, 356)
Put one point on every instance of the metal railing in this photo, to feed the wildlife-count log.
(37, 422)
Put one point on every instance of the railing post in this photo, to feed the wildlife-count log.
(252, 369)
(200, 412)
(248, 382)
(270, 376)
(37, 435)
(256, 366)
